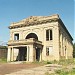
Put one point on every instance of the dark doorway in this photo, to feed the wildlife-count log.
(38, 54)
(22, 55)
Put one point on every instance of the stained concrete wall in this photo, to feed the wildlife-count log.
(3, 52)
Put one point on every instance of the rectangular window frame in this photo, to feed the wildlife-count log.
(16, 36)
(49, 50)
(49, 34)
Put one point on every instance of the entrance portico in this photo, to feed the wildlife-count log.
(29, 51)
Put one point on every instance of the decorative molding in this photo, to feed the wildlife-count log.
(34, 20)
(31, 23)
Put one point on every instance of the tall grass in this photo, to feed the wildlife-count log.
(63, 72)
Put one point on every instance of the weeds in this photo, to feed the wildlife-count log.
(63, 72)
(3, 60)
(67, 67)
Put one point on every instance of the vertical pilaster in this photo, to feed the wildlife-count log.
(56, 41)
(61, 45)
(66, 49)
(12, 54)
(40, 55)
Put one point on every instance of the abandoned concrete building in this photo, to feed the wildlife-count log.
(38, 38)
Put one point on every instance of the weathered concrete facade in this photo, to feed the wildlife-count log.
(39, 38)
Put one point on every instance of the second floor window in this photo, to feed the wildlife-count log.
(49, 35)
(16, 36)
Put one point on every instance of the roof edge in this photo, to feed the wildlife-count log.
(62, 24)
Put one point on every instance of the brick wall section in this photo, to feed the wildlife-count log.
(3, 52)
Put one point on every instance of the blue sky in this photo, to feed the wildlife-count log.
(16, 10)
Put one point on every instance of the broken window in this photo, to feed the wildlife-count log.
(16, 36)
(49, 50)
(48, 34)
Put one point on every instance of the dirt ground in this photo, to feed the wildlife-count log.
(9, 68)
(15, 68)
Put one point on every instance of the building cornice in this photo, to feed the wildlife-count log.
(34, 20)
(39, 20)
(24, 42)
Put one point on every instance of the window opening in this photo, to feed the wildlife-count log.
(16, 37)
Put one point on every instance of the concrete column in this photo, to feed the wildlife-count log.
(31, 53)
(12, 54)
(27, 53)
(9, 54)
(40, 55)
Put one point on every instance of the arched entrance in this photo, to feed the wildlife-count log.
(32, 35)
(37, 49)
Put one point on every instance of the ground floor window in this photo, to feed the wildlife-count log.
(49, 50)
